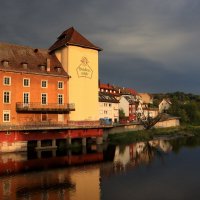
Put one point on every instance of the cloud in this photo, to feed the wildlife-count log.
(160, 36)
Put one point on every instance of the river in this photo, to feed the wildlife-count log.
(157, 169)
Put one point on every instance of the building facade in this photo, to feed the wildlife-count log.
(108, 108)
(34, 87)
(164, 105)
(38, 87)
(79, 58)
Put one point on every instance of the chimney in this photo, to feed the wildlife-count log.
(48, 64)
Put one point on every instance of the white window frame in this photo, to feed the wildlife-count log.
(25, 103)
(46, 99)
(62, 96)
(29, 82)
(4, 113)
(46, 83)
(4, 82)
(60, 88)
(9, 97)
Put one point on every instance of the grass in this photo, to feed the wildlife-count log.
(145, 135)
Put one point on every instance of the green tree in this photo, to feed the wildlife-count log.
(121, 114)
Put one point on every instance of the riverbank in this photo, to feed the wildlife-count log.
(145, 135)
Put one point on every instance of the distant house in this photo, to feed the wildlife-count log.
(108, 107)
(128, 99)
(129, 104)
(146, 99)
(151, 112)
(164, 105)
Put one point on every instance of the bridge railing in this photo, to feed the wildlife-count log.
(49, 125)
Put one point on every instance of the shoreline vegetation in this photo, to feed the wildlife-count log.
(151, 134)
(184, 106)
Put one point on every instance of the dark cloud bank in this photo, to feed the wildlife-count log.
(152, 46)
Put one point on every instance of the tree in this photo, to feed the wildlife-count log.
(147, 121)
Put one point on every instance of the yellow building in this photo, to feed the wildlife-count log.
(79, 57)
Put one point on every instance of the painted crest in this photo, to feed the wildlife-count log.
(84, 70)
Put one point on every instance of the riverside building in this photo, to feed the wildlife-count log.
(55, 88)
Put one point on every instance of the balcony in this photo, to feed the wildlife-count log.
(49, 108)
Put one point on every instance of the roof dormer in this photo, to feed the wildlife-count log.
(42, 67)
(24, 65)
(58, 69)
(5, 63)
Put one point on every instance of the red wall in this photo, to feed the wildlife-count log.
(13, 136)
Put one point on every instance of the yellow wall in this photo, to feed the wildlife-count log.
(83, 84)
(87, 184)
(168, 123)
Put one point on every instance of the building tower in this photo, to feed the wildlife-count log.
(79, 58)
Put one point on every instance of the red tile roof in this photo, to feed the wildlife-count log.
(106, 86)
(16, 55)
(127, 91)
(72, 37)
(131, 91)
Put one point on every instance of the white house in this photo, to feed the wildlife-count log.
(164, 105)
(108, 107)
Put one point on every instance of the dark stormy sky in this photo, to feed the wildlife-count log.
(149, 45)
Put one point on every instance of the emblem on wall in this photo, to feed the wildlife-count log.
(84, 70)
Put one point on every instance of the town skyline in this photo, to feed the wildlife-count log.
(148, 46)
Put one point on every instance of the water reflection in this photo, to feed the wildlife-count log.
(48, 176)
(157, 169)
(84, 174)
(138, 153)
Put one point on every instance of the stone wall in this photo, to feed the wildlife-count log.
(171, 122)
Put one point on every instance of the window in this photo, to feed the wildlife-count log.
(6, 116)
(7, 80)
(26, 82)
(25, 65)
(42, 67)
(5, 63)
(6, 96)
(110, 104)
(44, 117)
(44, 99)
(61, 117)
(44, 84)
(60, 85)
(26, 98)
(60, 99)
